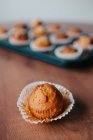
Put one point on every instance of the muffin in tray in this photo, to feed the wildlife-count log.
(36, 23)
(19, 38)
(60, 38)
(84, 42)
(41, 44)
(3, 33)
(74, 32)
(19, 27)
(68, 52)
(54, 28)
(37, 32)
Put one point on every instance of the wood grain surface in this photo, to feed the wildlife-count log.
(16, 71)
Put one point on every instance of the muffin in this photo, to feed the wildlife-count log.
(61, 35)
(60, 38)
(74, 32)
(39, 31)
(36, 23)
(68, 52)
(54, 28)
(43, 101)
(41, 44)
(19, 27)
(46, 102)
(19, 38)
(85, 42)
(3, 33)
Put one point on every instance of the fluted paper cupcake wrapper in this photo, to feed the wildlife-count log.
(17, 42)
(42, 49)
(22, 102)
(75, 44)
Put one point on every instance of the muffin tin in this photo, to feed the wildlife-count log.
(49, 57)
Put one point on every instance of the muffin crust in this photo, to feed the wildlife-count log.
(46, 102)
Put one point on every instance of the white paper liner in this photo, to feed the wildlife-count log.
(24, 96)
(60, 41)
(72, 56)
(75, 44)
(42, 49)
(17, 42)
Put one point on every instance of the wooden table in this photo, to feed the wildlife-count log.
(16, 71)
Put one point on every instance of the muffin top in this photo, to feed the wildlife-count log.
(19, 26)
(39, 31)
(36, 23)
(45, 97)
(54, 28)
(68, 49)
(3, 30)
(85, 41)
(61, 36)
(74, 30)
(42, 42)
(20, 36)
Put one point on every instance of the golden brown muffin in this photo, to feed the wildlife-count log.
(3, 30)
(54, 28)
(42, 42)
(39, 31)
(46, 102)
(68, 49)
(85, 41)
(36, 23)
(20, 26)
(20, 36)
(61, 36)
(74, 31)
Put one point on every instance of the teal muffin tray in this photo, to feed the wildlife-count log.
(47, 57)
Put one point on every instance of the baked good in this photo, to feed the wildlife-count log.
(19, 38)
(45, 102)
(54, 28)
(3, 30)
(74, 31)
(3, 33)
(61, 36)
(19, 26)
(42, 42)
(85, 41)
(68, 50)
(36, 23)
(39, 31)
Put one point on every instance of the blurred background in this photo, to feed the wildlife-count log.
(72, 10)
